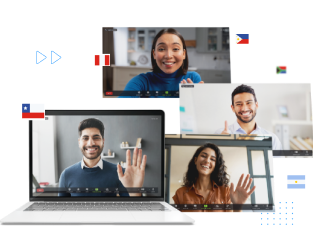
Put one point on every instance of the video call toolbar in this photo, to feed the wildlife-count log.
(304, 153)
(142, 93)
(209, 207)
(96, 190)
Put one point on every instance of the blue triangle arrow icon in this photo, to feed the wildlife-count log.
(39, 57)
(54, 57)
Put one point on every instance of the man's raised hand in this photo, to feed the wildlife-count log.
(226, 131)
(135, 172)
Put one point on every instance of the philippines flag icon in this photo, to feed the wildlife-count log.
(296, 181)
(33, 111)
(242, 38)
(103, 59)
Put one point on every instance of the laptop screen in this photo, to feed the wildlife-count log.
(100, 155)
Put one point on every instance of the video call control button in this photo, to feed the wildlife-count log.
(195, 207)
(228, 207)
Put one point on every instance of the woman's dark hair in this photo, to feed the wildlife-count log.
(91, 123)
(183, 70)
(219, 174)
(241, 89)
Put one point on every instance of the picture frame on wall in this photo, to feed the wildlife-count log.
(283, 112)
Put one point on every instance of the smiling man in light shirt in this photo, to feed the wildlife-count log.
(245, 105)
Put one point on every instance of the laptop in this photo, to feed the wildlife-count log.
(97, 167)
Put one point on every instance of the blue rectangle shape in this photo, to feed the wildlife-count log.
(25, 108)
(295, 177)
(297, 186)
(243, 36)
(182, 109)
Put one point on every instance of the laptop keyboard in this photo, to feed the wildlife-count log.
(96, 206)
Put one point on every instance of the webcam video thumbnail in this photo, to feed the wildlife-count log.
(220, 173)
(153, 62)
(105, 155)
(282, 111)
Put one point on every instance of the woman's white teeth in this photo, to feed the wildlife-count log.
(168, 63)
(205, 166)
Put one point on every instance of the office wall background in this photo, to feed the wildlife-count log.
(118, 129)
(208, 106)
(44, 152)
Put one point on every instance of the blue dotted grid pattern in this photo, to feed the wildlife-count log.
(283, 216)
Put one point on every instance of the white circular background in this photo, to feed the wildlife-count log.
(75, 83)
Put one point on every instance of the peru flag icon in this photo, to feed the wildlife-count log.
(103, 60)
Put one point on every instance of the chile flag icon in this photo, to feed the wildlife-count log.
(242, 38)
(33, 111)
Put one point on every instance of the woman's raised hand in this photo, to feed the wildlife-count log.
(189, 81)
(241, 194)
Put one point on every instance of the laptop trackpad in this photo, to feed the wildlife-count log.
(97, 217)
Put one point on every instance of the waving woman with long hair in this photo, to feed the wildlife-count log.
(207, 182)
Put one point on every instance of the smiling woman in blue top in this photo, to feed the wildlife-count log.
(169, 64)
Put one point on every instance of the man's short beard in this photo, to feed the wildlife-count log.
(100, 151)
(244, 121)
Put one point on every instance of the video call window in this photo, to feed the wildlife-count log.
(222, 159)
(282, 111)
(91, 155)
(152, 62)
